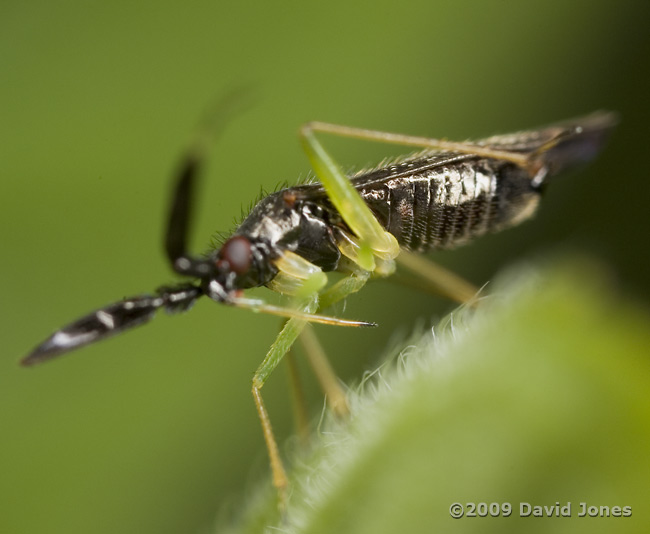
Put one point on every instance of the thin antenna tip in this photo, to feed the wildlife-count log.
(29, 360)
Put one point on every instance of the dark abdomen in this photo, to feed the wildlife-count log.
(446, 200)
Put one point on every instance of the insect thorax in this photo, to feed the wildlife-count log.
(291, 220)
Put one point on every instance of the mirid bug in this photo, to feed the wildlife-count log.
(442, 197)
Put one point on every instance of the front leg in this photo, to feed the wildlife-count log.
(278, 350)
(303, 279)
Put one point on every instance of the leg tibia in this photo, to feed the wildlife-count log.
(324, 373)
(438, 279)
(417, 141)
(280, 480)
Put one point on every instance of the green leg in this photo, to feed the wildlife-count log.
(280, 347)
(477, 149)
(294, 326)
(324, 373)
(349, 203)
(299, 403)
(439, 280)
(344, 287)
(282, 344)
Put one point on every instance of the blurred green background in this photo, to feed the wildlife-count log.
(155, 431)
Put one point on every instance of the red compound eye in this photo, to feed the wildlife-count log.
(237, 252)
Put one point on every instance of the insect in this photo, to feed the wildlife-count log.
(441, 197)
